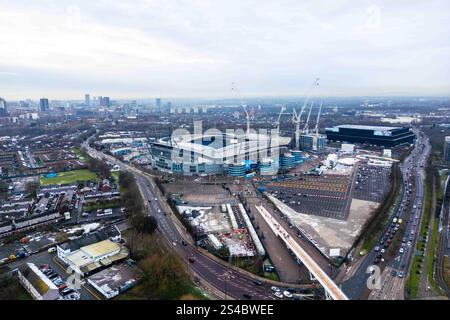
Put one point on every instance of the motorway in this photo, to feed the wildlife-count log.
(230, 282)
(395, 273)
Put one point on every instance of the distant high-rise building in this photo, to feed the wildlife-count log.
(447, 149)
(158, 103)
(43, 104)
(87, 99)
(3, 108)
(106, 102)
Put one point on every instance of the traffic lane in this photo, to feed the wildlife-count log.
(156, 211)
(403, 261)
(236, 284)
(356, 285)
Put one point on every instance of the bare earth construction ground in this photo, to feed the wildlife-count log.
(328, 233)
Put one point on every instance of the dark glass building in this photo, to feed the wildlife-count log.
(376, 135)
(43, 104)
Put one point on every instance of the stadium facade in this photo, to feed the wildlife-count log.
(375, 135)
(218, 153)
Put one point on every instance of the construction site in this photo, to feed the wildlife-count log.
(219, 222)
(327, 194)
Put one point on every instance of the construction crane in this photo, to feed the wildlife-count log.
(296, 116)
(316, 128)
(277, 123)
(306, 127)
(247, 114)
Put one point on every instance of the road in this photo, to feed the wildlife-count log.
(391, 287)
(394, 286)
(444, 242)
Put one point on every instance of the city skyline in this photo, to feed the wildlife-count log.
(138, 49)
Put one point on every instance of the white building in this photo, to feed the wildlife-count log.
(347, 148)
(36, 283)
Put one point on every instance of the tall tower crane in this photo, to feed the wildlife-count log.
(316, 128)
(296, 116)
(247, 113)
(277, 123)
(306, 127)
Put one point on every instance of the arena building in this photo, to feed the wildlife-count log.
(217, 153)
(375, 135)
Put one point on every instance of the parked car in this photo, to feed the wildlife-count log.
(51, 250)
(275, 289)
(278, 294)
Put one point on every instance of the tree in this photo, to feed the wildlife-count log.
(164, 276)
(144, 224)
(32, 188)
(3, 187)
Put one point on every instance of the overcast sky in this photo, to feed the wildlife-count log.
(196, 48)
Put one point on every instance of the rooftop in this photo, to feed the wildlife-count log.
(362, 127)
(112, 278)
(87, 240)
(101, 248)
(38, 280)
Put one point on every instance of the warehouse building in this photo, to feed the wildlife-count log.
(375, 135)
(96, 256)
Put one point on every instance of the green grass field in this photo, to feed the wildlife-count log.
(78, 153)
(69, 177)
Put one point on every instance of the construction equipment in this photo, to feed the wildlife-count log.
(296, 116)
(247, 114)
(316, 128)
(306, 127)
(277, 123)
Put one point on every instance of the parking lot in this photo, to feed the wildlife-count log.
(30, 244)
(326, 196)
(45, 258)
(372, 182)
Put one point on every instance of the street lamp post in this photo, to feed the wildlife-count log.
(225, 276)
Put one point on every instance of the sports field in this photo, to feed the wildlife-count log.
(69, 177)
